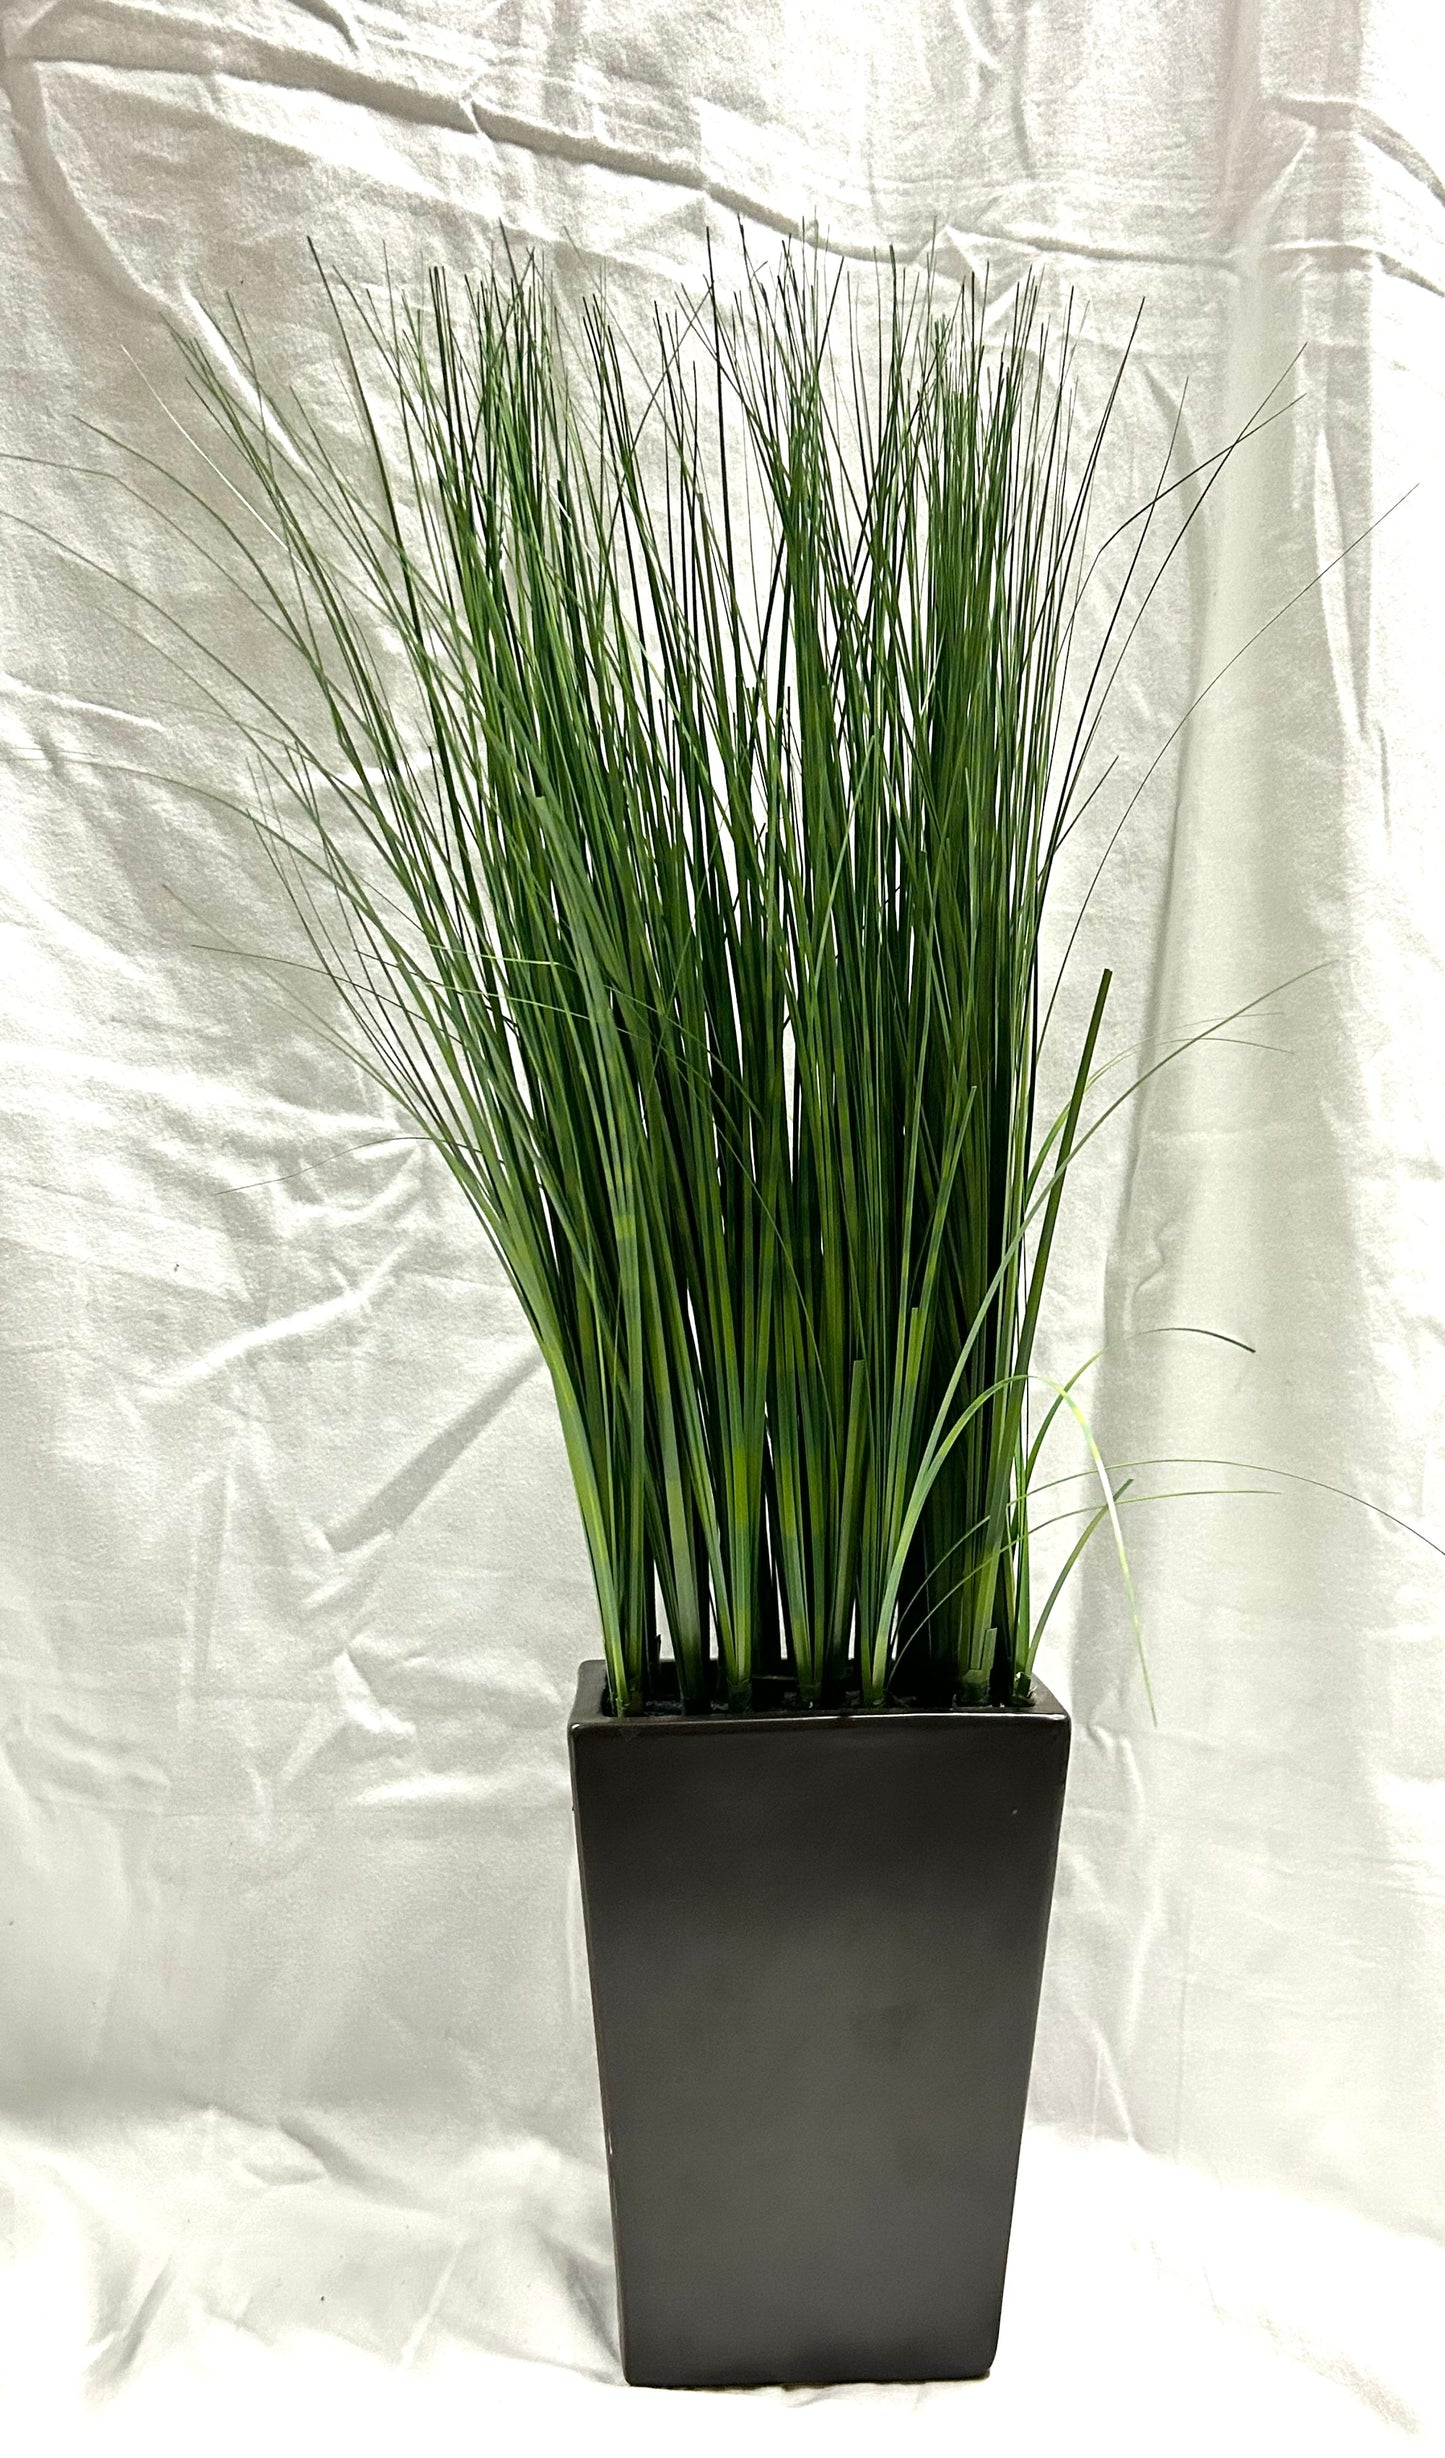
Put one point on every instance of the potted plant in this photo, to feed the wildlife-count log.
(688, 755)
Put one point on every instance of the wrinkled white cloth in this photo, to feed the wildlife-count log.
(300, 2127)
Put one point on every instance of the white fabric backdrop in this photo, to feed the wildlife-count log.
(299, 2111)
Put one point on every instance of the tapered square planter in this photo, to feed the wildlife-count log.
(815, 1945)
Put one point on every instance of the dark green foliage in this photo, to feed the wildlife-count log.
(675, 810)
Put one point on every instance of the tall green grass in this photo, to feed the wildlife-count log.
(687, 750)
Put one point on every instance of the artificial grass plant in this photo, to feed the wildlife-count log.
(687, 755)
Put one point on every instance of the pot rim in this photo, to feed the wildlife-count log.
(591, 1710)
